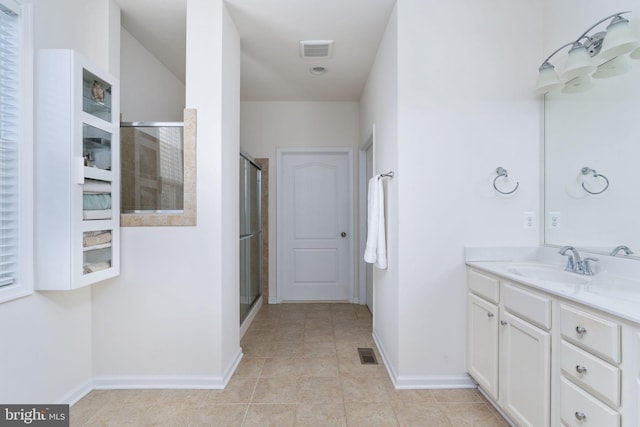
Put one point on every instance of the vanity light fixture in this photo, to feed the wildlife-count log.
(600, 53)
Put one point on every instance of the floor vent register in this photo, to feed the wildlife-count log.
(367, 356)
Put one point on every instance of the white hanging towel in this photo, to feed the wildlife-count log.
(376, 250)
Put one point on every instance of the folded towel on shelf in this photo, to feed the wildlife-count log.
(95, 186)
(99, 214)
(96, 266)
(92, 238)
(375, 251)
(94, 247)
(92, 202)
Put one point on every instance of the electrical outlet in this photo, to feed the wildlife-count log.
(553, 220)
(529, 220)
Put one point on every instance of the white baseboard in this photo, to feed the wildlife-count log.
(433, 382)
(231, 368)
(158, 381)
(78, 393)
(385, 358)
(401, 382)
(252, 314)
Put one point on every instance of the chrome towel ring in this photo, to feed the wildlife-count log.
(586, 171)
(502, 173)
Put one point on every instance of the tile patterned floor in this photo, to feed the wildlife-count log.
(300, 368)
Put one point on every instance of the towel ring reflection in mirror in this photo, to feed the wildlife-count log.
(586, 171)
(502, 173)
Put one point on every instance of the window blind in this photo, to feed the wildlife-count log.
(9, 97)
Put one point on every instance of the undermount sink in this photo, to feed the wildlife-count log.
(548, 274)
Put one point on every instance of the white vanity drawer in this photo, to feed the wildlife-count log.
(597, 376)
(483, 285)
(533, 307)
(594, 333)
(579, 409)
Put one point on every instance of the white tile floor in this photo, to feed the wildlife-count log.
(300, 368)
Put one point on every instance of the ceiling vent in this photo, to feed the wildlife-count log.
(316, 49)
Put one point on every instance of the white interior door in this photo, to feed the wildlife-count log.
(314, 226)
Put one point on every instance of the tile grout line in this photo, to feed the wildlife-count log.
(255, 386)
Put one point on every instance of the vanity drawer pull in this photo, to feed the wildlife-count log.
(489, 314)
(504, 322)
(580, 408)
(591, 373)
(597, 334)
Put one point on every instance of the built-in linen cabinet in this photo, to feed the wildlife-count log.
(76, 172)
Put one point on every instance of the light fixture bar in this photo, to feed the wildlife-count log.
(600, 22)
(579, 62)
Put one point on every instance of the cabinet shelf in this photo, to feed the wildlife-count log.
(98, 174)
(95, 108)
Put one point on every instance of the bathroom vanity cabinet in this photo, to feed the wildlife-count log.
(547, 360)
(77, 174)
(509, 347)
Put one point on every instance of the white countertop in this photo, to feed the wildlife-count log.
(614, 294)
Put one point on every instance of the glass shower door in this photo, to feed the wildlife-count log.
(250, 235)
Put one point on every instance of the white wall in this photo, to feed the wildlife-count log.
(171, 318)
(464, 107)
(266, 126)
(229, 202)
(46, 352)
(86, 26)
(149, 92)
(379, 107)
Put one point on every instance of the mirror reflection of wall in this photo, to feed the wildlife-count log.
(598, 129)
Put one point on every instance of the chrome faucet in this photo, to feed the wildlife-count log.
(573, 259)
(575, 264)
(622, 248)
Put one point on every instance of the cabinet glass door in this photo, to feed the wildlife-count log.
(96, 147)
(96, 96)
(96, 251)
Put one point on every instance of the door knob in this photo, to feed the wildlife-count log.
(343, 234)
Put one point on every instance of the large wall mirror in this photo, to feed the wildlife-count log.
(592, 165)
